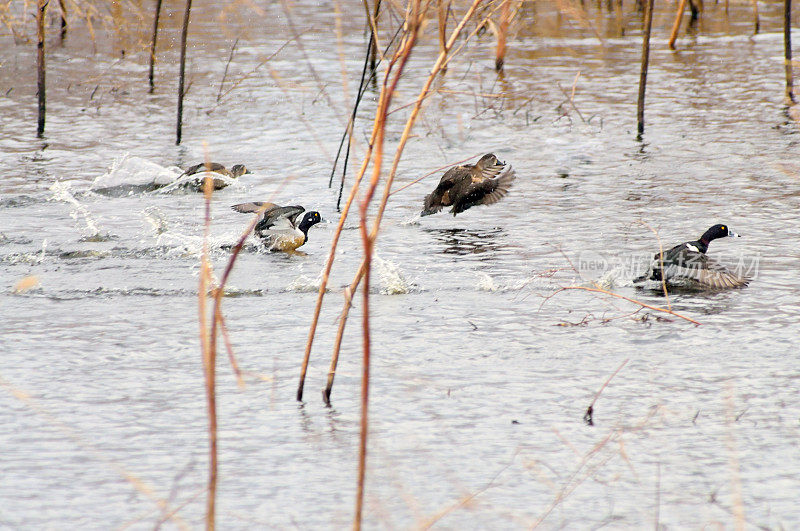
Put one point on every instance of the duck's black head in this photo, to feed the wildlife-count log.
(238, 170)
(486, 161)
(309, 220)
(717, 231)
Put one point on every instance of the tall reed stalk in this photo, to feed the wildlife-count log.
(787, 49)
(502, 35)
(677, 24)
(40, 67)
(441, 62)
(153, 40)
(209, 360)
(648, 25)
(181, 75)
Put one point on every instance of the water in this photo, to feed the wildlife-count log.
(481, 371)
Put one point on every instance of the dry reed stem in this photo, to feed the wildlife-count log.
(573, 481)
(673, 36)
(227, 65)
(648, 25)
(441, 60)
(588, 417)
(79, 439)
(153, 45)
(502, 35)
(182, 72)
(209, 358)
(442, 11)
(756, 20)
(413, 24)
(617, 295)
(40, 67)
(787, 49)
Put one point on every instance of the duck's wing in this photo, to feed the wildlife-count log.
(197, 168)
(686, 262)
(485, 192)
(493, 171)
(253, 206)
(279, 218)
(446, 190)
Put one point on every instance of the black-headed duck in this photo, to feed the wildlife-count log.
(688, 264)
(462, 187)
(277, 226)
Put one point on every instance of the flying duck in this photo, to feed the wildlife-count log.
(688, 263)
(277, 226)
(235, 171)
(462, 187)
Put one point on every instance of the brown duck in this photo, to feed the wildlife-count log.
(235, 171)
(463, 187)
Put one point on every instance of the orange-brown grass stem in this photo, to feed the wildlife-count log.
(40, 70)
(648, 25)
(617, 295)
(502, 35)
(588, 417)
(441, 60)
(209, 364)
(787, 49)
(181, 74)
(673, 36)
(756, 19)
(443, 9)
(153, 40)
(413, 23)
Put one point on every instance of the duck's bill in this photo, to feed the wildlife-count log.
(732, 234)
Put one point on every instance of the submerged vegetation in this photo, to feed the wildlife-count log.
(394, 32)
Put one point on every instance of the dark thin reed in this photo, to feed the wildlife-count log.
(225, 73)
(63, 7)
(40, 80)
(588, 418)
(648, 24)
(787, 49)
(181, 75)
(153, 45)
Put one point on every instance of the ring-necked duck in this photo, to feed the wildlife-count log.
(277, 227)
(688, 263)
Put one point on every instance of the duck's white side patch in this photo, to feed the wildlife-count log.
(692, 248)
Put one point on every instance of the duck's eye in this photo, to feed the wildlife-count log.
(723, 227)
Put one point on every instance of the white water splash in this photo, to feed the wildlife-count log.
(485, 282)
(391, 278)
(61, 192)
(157, 220)
(135, 171)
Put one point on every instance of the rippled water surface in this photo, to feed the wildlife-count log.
(481, 372)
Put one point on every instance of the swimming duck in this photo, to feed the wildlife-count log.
(277, 227)
(688, 263)
(235, 171)
(462, 187)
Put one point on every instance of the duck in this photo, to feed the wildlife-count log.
(687, 264)
(277, 225)
(462, 187)
(237, 170)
